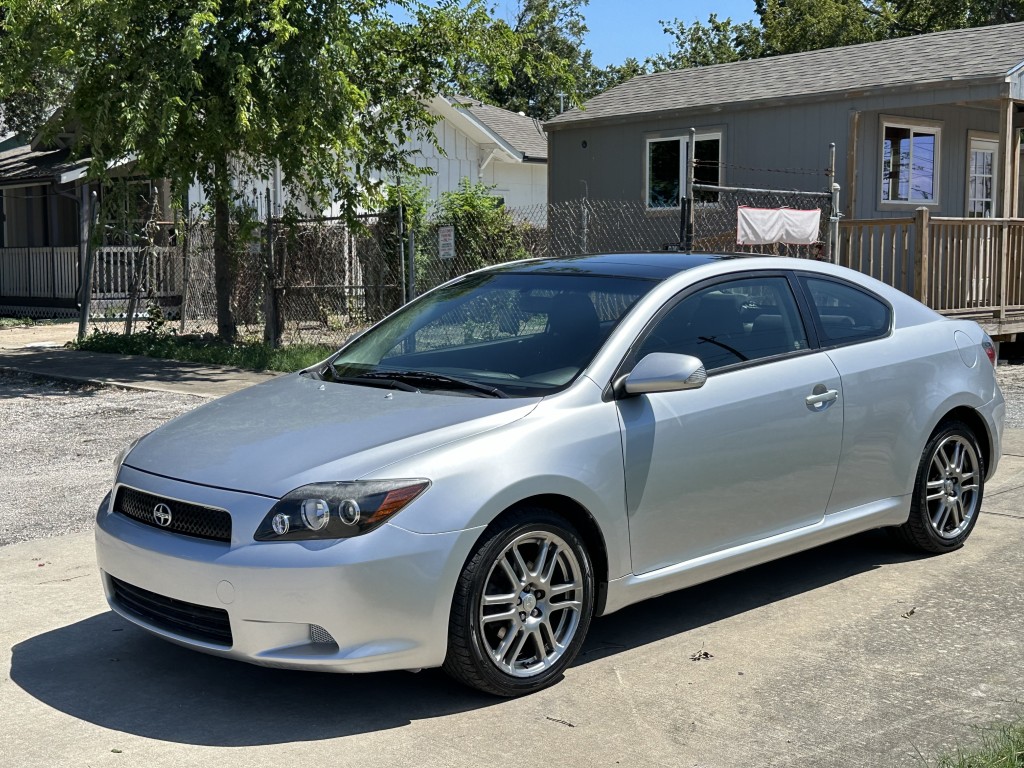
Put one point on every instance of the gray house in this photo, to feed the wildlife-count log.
(927, 132)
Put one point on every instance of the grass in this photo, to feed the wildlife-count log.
(201, 349)
(1000, 747)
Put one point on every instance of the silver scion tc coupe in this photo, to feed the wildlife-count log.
(472, 479)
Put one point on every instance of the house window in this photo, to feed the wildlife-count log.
(981, 178)
(666, 167)
(910, 165)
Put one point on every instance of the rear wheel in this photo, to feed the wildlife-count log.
(522, 605)
(948, 491)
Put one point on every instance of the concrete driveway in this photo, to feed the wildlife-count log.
(854, 654)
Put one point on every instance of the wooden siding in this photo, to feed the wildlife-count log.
(781, 147)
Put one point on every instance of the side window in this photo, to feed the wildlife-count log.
(730, 323)
(846, 314)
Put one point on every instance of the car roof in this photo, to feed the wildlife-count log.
(656, 265)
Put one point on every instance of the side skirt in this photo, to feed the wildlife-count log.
(634, 588)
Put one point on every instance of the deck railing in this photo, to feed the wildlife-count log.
(157, 272)
(53, 272)
(974, 265)
(882, 248)
(956, 266)
(50, 272)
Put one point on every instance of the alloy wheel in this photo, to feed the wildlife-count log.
(531, 605)
(952, 486)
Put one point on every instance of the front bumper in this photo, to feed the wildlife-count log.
(384, 598)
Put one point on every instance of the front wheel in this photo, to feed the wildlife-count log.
(948, 491)
(522, 605)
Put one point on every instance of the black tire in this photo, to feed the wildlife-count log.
(943, 524)
(471, 639)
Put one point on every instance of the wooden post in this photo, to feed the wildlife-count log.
(921, 248)
(691, 159)
(851, 165)
(1004, 195)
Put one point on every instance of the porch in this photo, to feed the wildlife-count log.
(962, 267)
(49, 277)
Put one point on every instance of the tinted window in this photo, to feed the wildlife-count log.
(524, 334)
(730, 323)
(846, 314)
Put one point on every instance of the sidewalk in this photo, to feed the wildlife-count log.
(128, 371)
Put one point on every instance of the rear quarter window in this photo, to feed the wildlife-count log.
(845, 314)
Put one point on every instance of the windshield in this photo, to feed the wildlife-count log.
(492, 334)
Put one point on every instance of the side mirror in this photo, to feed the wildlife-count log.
(665, 372)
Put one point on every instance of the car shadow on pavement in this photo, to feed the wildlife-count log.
(104, 671)
(722, 598)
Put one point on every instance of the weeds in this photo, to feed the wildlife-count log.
(204, 349)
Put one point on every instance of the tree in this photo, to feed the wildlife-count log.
(802, 25)
(551, 67)
(220, 90)
(700, 45)
(791, 26)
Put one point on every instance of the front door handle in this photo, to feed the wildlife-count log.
(818, 400)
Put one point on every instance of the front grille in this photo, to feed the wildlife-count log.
(198, 622)
(186, 519)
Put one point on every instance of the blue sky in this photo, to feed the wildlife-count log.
(623, 28)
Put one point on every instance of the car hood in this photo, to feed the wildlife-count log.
(274, 437)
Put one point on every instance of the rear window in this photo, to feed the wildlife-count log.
(845, 314)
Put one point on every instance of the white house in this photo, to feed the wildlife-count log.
(489, 145)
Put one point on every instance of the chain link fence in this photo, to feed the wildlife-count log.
(318, 281)
(714, 219)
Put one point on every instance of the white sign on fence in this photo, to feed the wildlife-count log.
(446, 242)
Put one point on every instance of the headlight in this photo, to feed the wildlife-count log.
(337, 510)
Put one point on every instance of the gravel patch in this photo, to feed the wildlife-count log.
(1011, 382)
(59, 442)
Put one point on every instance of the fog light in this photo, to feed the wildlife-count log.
(315, 513)
(350, 512)
(280, 524)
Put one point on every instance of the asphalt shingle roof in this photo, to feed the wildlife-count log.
(22, 163)
(525, 134)
(961, 54)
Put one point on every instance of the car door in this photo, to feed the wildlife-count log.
(880, 439)
(751, 454)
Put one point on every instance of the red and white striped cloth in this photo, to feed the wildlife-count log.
(762, 226)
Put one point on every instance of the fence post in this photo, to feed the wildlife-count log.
(401, 251)
(584, 223)
(86, 296)
(833, 244)
(688, 213)
(412, 263)
(922, 244)
(1004, 267)
(272, 325)
(186, 241)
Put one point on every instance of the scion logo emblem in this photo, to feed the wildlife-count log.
(162, 515)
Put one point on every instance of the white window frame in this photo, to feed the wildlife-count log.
(974, 138)
(914, 125)
(683, 139)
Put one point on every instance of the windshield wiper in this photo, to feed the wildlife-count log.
(429, 377)
(370, 380)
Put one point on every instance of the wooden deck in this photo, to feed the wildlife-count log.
(961, 267)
